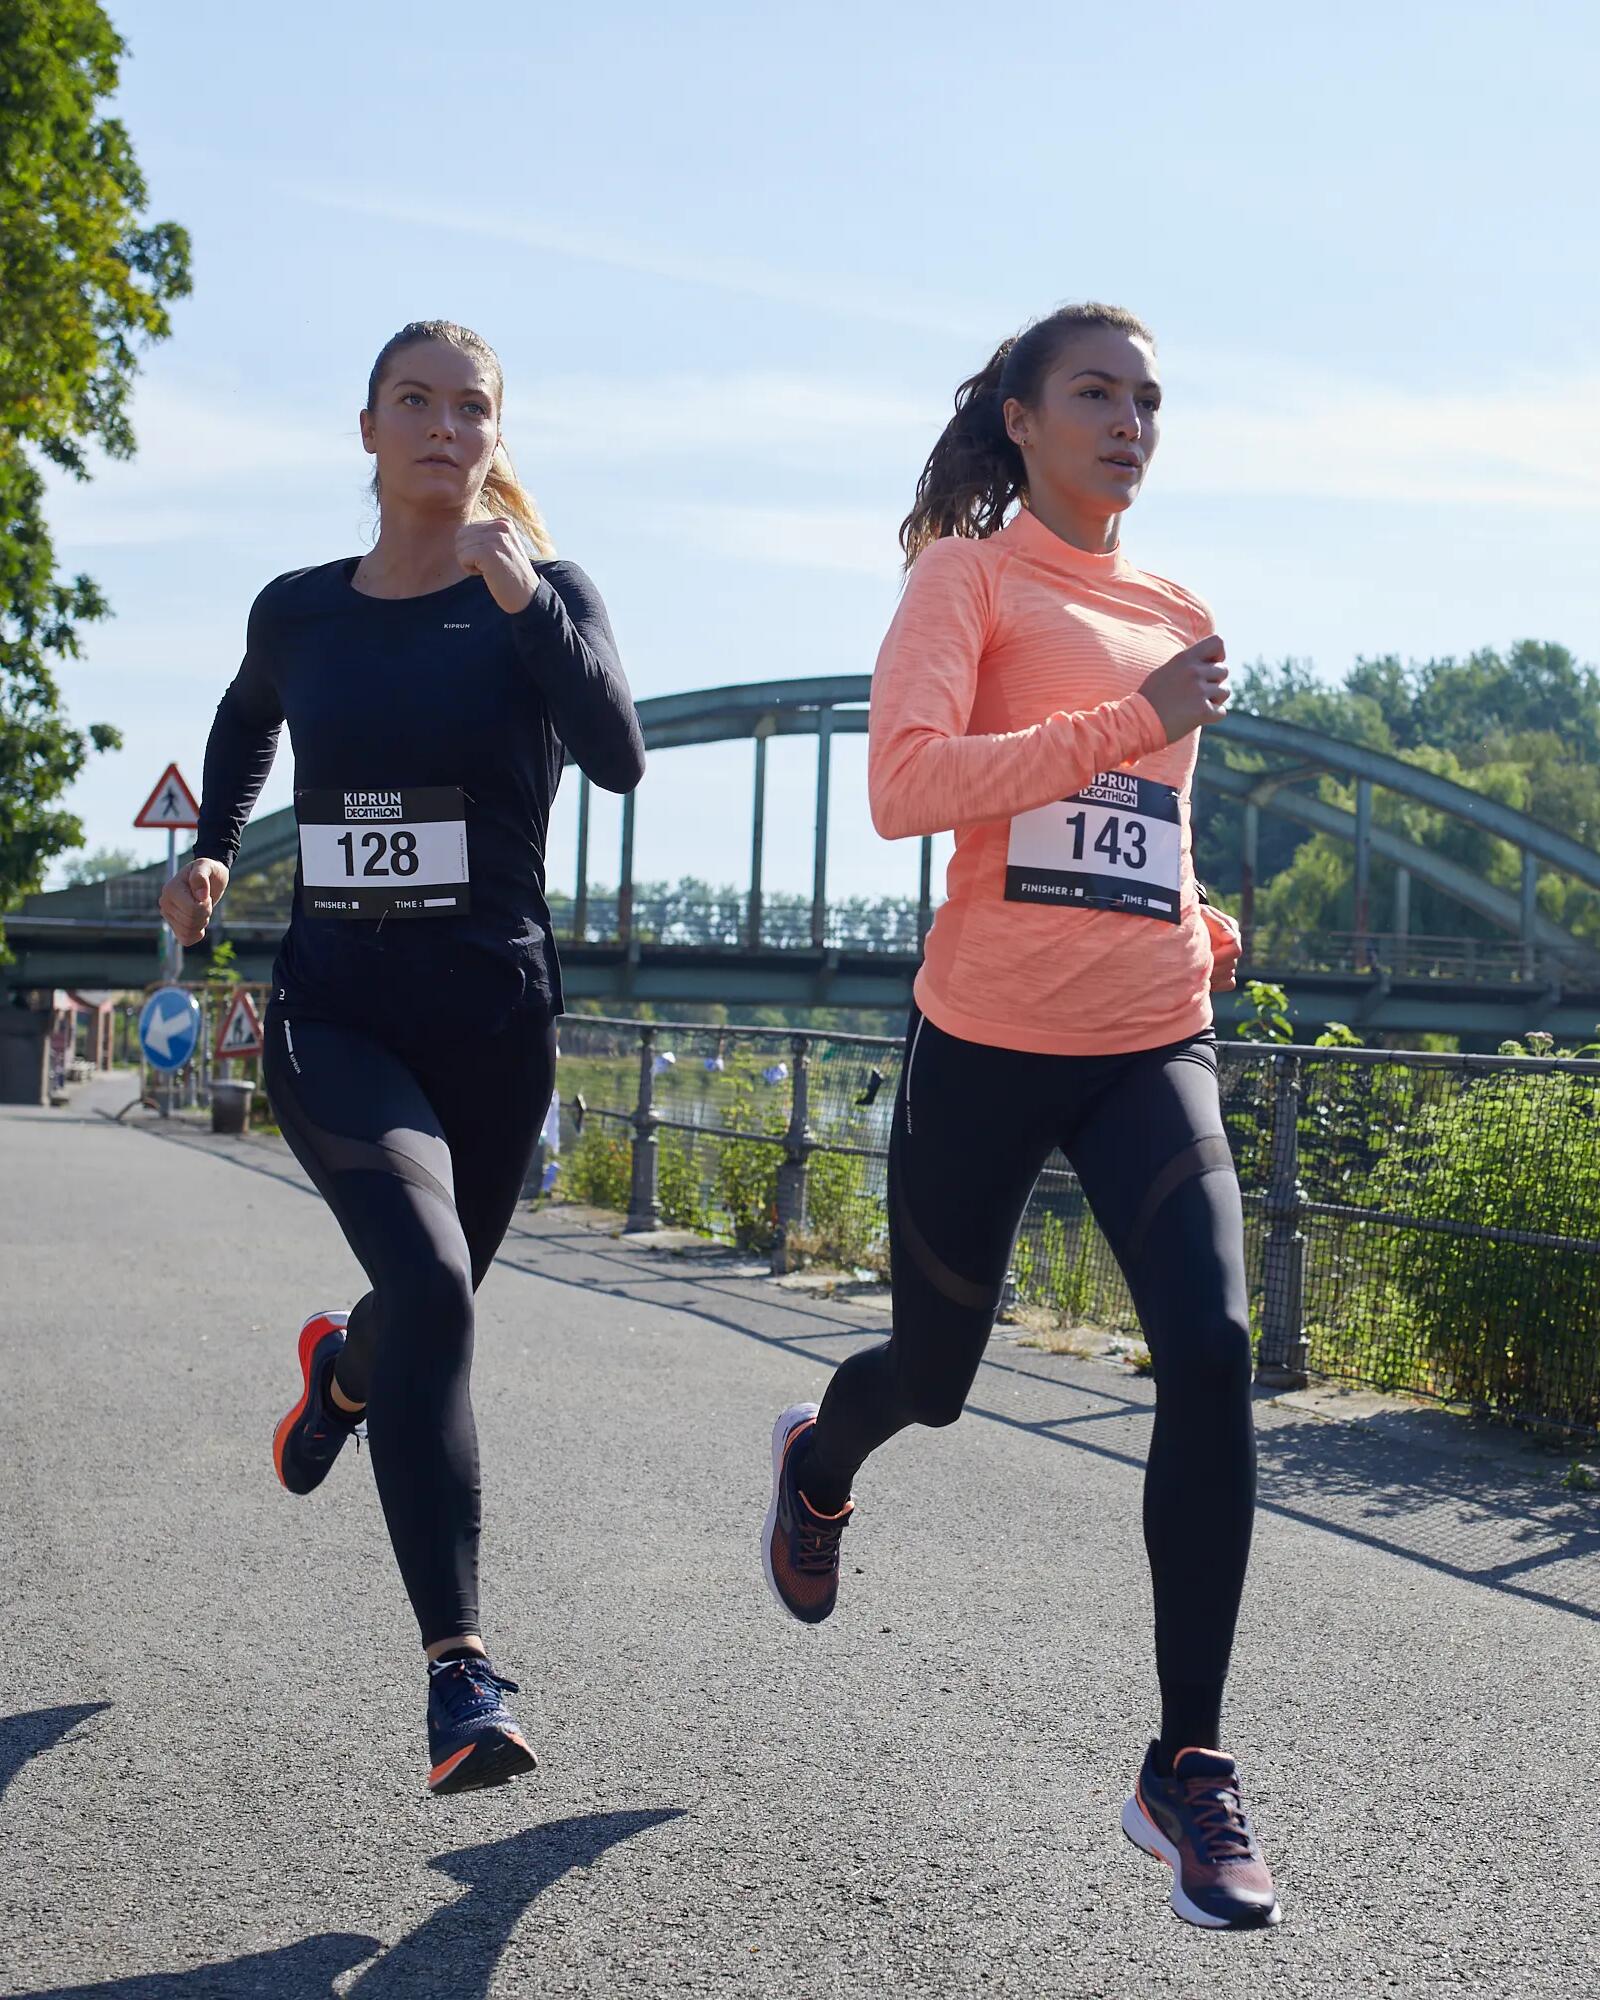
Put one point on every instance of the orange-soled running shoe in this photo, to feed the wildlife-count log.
(1196, 1822)
(799, 1546)
(473, 1738)
(312, 1435)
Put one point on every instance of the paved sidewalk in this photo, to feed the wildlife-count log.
(210, 1704)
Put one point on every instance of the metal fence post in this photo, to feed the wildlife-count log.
(1281, 1362)
(644, 1207)
(797, 1144)
(625, 884)
(758, 833)
(819, 872)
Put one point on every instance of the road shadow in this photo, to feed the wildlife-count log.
(29, 1735)
(455, 1951)
(1482, 1523)
(1491, 1527)
(1486, 1523)
(501, 1879)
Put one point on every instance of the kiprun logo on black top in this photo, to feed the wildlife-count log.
(372, 805)
(1113, 788)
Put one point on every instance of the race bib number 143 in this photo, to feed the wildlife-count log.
(1116, 845)
(379, 854)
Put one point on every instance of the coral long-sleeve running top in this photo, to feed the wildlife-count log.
(1005, 705)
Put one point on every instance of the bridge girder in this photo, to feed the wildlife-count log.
(837, 704)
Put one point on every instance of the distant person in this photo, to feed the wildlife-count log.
(432, 688)
(1043, 697)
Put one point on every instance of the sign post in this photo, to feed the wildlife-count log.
(170, 806)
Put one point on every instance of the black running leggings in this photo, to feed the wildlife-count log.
(973, 1127)
(421, 1154)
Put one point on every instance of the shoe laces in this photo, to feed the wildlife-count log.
(467, 1685)
(1219, 1818)
(819, 1541)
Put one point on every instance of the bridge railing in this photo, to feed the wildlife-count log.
(886, 924)
(1420, 1223)
(896, 926)
(1480, 961)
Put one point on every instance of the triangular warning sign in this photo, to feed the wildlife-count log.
(171, 804)
(241, 1029)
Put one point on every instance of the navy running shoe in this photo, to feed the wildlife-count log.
(473, 1738)
(799, 1545)
(1195, 1821)
(312, 1435)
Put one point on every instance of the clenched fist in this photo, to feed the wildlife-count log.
(190, 899)
(496, 552)
(1191, 690)
(1227, 947)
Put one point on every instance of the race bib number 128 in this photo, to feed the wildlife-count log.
(1116, 845)
(379, 854)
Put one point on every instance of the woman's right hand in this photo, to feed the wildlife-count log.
(190, 899)
(1191, 690)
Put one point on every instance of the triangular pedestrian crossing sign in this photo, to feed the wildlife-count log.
(171, 804)
(241, 1028)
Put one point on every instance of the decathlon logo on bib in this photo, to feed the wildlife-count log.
(372, 805)
(383, 853)
(1116, 845)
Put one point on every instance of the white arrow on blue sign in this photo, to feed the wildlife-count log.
(169, 1027)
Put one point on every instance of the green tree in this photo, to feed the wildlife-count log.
(83, 284)
(1521, 726)
(99, 866)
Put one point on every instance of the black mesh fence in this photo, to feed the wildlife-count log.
(1415, 1222)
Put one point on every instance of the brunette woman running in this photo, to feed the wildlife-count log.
(1043, 697)
(432, 689)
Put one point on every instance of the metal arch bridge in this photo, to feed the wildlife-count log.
(105, 934)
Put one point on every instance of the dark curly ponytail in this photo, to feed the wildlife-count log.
(974, 473)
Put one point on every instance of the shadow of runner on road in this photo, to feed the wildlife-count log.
(457, 1949)
(454, 1951)
(29, 1735)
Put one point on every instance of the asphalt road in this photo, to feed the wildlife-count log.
(211, 1752)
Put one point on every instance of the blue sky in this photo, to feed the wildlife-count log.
(735, 261)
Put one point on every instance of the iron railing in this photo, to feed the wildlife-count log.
(1426, 1223)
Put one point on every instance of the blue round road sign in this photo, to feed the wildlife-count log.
(169, 1027)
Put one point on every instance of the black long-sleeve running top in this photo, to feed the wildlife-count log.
(384, 695)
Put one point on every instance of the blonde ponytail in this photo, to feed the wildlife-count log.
(505, 498)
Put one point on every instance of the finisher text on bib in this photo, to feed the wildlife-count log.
(383, 854)
(1116, 845)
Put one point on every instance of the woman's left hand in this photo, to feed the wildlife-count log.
(1227, 947)
(496, 552)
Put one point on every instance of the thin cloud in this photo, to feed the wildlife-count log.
(725, 274)
(845, 540)
(1296, 438)
(753, 413)
(1337, 439)
(199, 434)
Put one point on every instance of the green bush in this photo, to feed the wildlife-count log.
(599, 1168)
(845, 1222)
(1056, 1265)
(679, 1193)
(747, 1191)
(1500, 1325)
(744, 1183)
